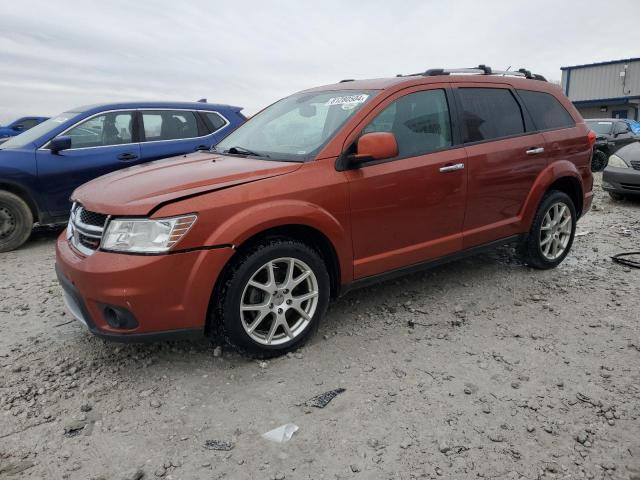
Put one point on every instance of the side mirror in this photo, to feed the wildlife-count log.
(375, 146)
(18, 128)
(60, 143)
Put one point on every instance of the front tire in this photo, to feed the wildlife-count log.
(552, 232)
(16, 221)
(272, 297)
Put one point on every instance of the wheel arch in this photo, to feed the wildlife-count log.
(308, 235)
(24, 195)
(302, 232)
(297, 219)
(562, 176)
(572, 187)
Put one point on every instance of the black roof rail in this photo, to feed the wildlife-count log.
(346, 80)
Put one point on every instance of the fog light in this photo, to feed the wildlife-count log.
(118, 317)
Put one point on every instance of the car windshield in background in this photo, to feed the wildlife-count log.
(296, 127)
(38, 131)
(635, 126)
(601, 128)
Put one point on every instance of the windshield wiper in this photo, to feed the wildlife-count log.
(244, 151)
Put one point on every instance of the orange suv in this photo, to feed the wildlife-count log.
(326, 190)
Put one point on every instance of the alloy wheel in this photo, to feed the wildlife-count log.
(555, 231)
(279, 301)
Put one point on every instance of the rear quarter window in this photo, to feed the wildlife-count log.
(546, 111)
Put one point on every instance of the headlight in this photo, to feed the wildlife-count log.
(616, 161)
(144, 235)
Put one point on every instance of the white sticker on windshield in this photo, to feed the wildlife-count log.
(604, 123)
(347, 99)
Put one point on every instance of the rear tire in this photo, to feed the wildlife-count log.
(281, 284)
(599, 161)
(616, 197)
(552, 231)
(16, 221)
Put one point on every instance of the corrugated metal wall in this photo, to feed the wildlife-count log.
(602, 81)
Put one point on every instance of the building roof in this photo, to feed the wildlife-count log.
(597, 64)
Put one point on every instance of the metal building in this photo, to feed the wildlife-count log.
(605, 89)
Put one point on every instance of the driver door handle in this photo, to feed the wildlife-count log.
(535, 151)
(452, 168)
(127, 156)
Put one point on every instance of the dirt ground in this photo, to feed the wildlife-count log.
(479, 368)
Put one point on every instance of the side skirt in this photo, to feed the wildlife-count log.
(419, 267)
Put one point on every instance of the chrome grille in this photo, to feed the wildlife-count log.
(85, 229)
(635, 164)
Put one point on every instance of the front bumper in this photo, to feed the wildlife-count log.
(621, 180)
(167, 295)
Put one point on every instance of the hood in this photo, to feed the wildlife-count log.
(630, 152)
(138, 190)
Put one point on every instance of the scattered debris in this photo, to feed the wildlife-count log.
(582, 234)
(413, 323)
(622, 260)
(74, 428)
(281, 434)
(221, 445)
(322, 400)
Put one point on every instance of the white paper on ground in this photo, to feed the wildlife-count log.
(282, 433)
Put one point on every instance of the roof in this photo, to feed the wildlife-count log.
(159, 104)
(610, 62)
(396, 83)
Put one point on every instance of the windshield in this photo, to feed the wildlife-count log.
(635, 126)
(36, 132)
(296, 127)
(602, 128)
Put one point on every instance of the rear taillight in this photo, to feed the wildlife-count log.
(592, 138)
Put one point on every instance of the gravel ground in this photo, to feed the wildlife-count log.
(480, 368)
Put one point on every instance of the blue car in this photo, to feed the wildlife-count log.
(18, 126)
(42, 166)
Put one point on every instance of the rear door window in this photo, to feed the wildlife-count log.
(547, 112)
(420, 122)
(489, 113)
(169, 125)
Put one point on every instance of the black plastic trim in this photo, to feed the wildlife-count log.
(419, 267)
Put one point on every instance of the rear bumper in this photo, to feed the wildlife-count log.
(166, 296)
(621, 180)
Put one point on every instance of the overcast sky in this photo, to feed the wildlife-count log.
(56, 55)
